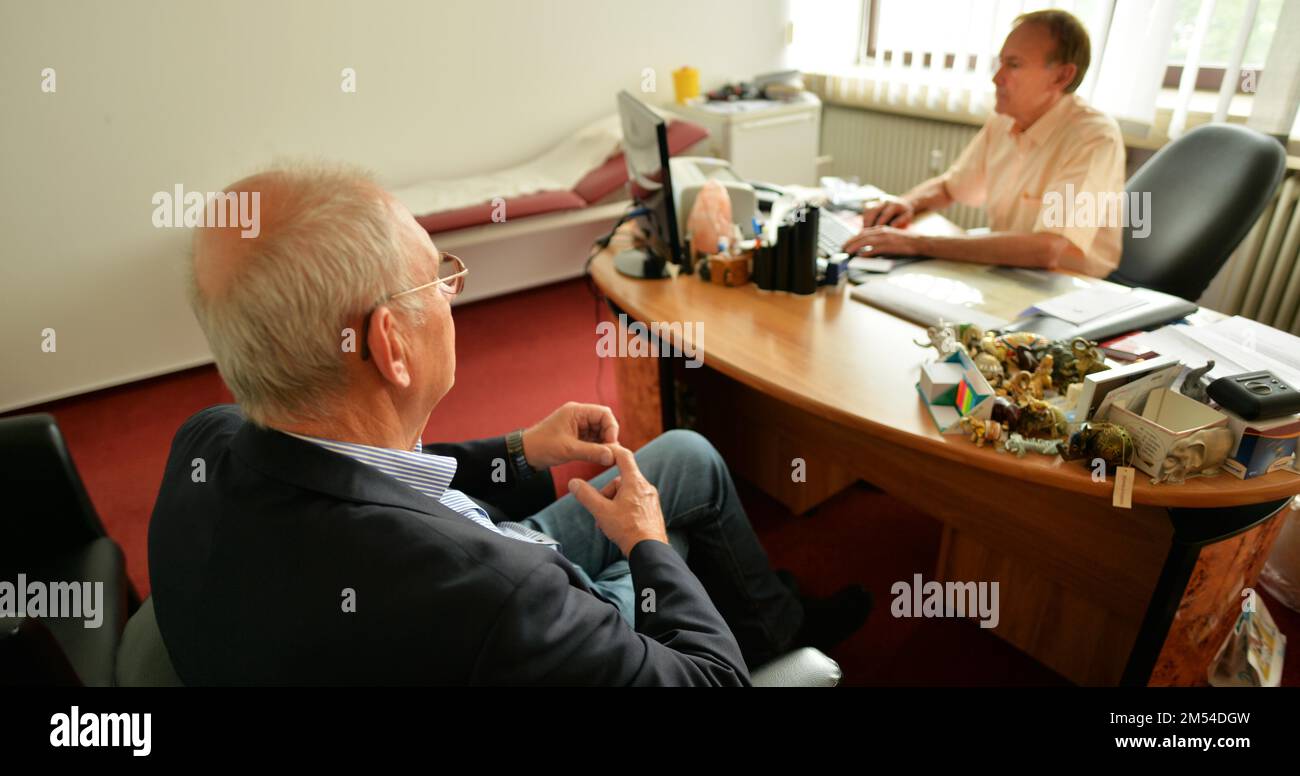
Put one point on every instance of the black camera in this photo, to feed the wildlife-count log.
(1255, 395)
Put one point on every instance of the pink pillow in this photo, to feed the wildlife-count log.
(611, 175)
(515, 207)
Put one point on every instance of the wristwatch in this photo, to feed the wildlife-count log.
(518, 461)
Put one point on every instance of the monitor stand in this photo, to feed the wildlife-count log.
(639, 264)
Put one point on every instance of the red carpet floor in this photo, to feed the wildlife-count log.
(518, 358)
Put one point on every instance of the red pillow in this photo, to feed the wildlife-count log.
(515, 207)
(612, 175)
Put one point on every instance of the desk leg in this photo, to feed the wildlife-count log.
(766, 445)
(647, 405)
(1215, 554)
(759, 444)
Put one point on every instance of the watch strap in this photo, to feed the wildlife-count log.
(518, 461)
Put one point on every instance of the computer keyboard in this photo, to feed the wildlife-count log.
(832, 233)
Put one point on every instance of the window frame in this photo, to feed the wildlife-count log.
(1208, 79)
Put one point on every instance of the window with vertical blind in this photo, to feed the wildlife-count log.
(940, 55)
(1220, 46)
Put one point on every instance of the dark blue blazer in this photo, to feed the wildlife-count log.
(250, 565)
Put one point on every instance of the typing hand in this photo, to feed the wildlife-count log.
(887, 211)
(574, 432)
(627, 509)
(883, 241)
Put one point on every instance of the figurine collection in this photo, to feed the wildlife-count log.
(1030, 376)
(1019, 392)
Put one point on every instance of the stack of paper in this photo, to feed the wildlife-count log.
(1269, 343)
(1087, 304)
(1235, 344)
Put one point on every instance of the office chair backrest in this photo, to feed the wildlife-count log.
(31, 656)
(49, 510)
(1206, 188)
(50, 531)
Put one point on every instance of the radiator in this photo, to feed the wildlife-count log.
(1262, 279)
(895, 152)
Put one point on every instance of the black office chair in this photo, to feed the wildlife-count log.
(1207, 188)
(142, 660)
(30, 655)
(51, 533)
(59, 537)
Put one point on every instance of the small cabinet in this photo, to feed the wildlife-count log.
(765, 140)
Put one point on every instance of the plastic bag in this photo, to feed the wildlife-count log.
(1253, 654)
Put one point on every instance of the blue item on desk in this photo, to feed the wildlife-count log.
(834, 270)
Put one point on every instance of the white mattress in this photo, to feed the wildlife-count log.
(559, 169)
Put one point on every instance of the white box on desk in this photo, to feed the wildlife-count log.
(1166, 418)
(944, 384)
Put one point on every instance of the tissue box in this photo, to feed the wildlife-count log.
(1261, 446)
(1167, 417)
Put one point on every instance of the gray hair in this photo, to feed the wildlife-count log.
(276, 328)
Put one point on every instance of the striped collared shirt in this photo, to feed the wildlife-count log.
(430, 475)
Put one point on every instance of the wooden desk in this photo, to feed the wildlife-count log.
(1101, 595)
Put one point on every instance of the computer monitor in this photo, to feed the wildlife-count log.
(645, 148)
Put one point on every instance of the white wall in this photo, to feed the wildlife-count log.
(152, 94)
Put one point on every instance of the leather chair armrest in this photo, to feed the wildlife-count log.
(90, 650)
(806, 667)
(142, 659)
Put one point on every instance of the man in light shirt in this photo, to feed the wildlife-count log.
(1041, 157)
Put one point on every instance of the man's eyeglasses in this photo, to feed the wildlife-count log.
(450, 280)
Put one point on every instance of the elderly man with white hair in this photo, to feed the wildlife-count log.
(308, 536)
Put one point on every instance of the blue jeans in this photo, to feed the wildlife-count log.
(707, 526)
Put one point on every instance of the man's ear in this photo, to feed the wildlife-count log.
(387, 348)
(1066, 74)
